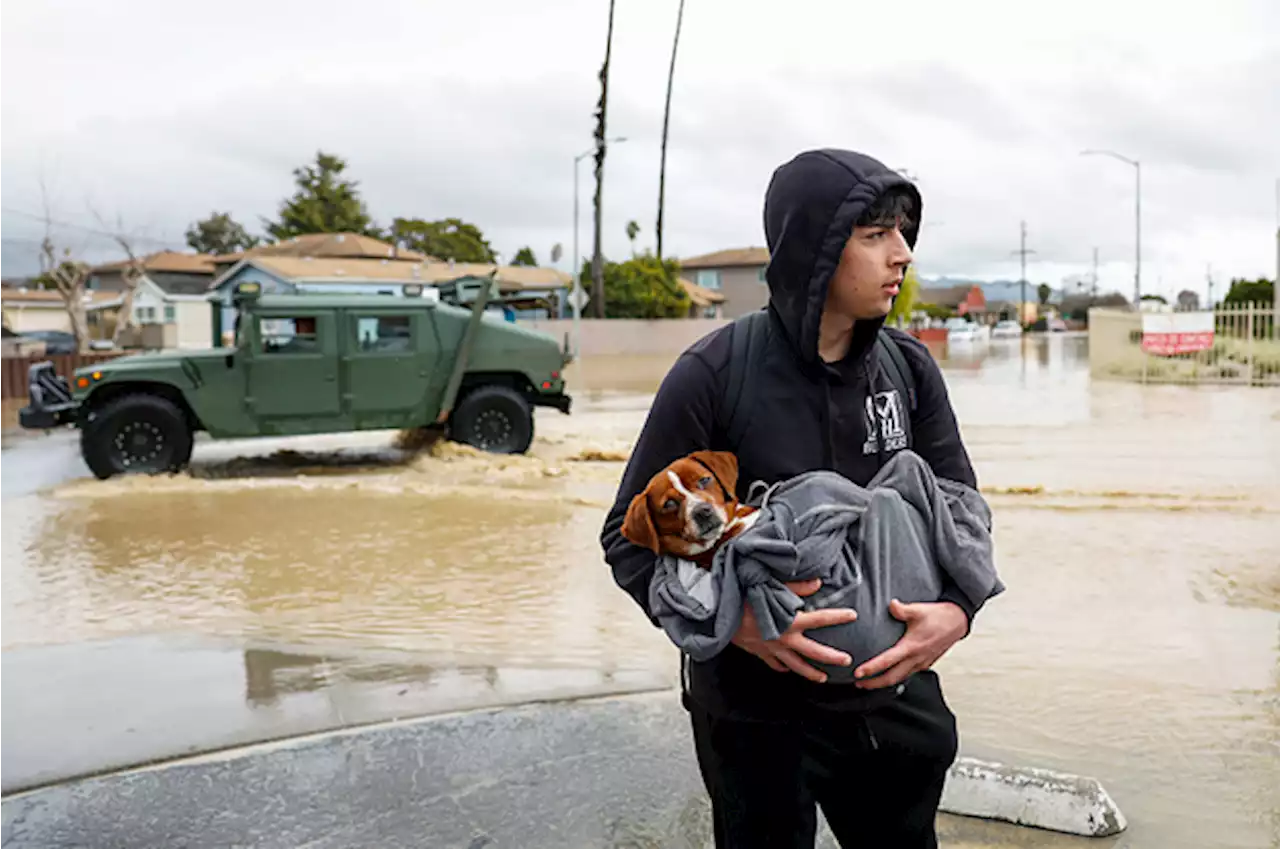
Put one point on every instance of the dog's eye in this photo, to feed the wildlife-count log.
(704, 483)
(670, 505)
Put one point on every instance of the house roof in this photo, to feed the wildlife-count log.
(50, 299)
(948, 296)
(334, 270)
(349, 245)
(731, 258)
(700, 295)
(167, 261)
(179, 284)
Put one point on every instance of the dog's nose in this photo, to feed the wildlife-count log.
(704, 516)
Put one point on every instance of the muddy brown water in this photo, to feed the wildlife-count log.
(1136, 528)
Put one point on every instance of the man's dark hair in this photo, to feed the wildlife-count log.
(895, 207)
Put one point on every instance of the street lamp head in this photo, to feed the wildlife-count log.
(1110, 153)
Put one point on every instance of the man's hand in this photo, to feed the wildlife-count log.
(783, 654)
(932, 629)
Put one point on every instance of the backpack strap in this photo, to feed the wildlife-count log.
(749, 337)
(895, 365)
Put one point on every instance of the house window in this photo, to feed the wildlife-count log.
(170, 314)
(289, 335)
(384, 334)
(709, 279)
(760, 274)
(144, 315)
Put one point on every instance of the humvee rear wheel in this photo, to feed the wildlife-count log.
(135, 434)
(495, 419)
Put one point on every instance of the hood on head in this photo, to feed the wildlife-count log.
(809, 211)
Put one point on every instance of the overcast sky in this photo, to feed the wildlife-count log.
(156, 113)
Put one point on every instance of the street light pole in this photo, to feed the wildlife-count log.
(1137, 218)
(577, 258)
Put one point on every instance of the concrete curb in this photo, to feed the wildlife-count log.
(1055, 801)
(595, 771)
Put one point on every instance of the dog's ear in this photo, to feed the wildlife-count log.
(638, 526)
(725, 466)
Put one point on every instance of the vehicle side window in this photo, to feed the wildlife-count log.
(384, 334)
(296, 335)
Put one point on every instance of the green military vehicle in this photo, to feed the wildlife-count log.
(312, 363)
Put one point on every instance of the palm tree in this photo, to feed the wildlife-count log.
(597, 261)
(666, 119)
(633, 230)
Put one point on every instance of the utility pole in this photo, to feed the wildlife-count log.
(1095, 274)
(1022, 251)
(1208, 275)
(666, 120)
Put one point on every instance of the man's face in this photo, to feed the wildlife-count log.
(870, 273)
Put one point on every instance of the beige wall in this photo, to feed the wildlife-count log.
(195, 324)
(25, 319)
(743, 291)
(627, 336)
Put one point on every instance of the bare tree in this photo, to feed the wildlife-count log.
(132, 275)
(67, 276)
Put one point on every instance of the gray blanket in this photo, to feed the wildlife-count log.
(892, 539)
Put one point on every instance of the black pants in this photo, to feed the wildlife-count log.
(878, 777)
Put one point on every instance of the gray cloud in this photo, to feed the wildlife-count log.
(478, 111)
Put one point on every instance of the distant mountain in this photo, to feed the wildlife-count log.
(995, 290)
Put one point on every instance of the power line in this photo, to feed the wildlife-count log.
(86, 229)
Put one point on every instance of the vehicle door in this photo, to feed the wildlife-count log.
(386, 374)
(294, 369)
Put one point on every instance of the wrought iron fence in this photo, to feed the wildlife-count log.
(1238, 344)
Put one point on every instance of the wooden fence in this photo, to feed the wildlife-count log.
(15, 368)
(1244, 349)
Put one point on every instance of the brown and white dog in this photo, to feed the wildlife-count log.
(689, 509)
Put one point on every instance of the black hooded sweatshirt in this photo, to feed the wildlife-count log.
(808, 414)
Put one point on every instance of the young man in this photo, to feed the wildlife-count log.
(772, 739)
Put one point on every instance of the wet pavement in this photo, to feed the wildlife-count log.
(1139, 641)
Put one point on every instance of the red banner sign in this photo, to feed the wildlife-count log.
(1168, 333)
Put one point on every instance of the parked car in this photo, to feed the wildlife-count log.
(55, 341)
(963, 330)
(1007, 329)
(312, 363)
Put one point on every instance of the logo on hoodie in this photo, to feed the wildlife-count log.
(884, 418)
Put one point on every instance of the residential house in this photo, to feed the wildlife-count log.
(737, 274)
(27, 310)
(173, 291)
(703, 303)
(965, 299)
(329, 245)
(1008, 311)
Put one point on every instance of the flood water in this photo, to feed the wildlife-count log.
(1136, 529)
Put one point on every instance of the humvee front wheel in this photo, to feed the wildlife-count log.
(493, 418)
(135, 434)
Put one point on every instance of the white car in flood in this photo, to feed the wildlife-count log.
(960, 330)
(1007, 329)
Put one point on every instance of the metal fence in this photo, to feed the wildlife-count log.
(1243, 348)
(15, 369)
